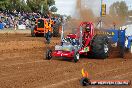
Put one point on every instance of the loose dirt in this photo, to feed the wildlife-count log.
(23, 65)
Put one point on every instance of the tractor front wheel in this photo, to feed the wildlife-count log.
(76, 57)
(49, 54)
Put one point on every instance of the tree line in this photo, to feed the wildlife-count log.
(119, 11)
(41, 6)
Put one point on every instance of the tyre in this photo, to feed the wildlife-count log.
(85, 82)
(49, 54)
(32, 33)
(76, 57)
(100, 47)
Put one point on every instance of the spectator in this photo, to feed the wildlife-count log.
(12, 19)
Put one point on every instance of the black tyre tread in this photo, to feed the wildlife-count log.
(98, 46)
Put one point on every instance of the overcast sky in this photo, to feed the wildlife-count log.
(68, 6)
(65, 6)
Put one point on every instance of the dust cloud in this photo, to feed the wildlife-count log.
(89, 10)
(82, 12)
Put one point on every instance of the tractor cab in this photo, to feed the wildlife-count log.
(40, 23)
(87, 28)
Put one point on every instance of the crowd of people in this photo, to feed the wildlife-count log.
(14, 19)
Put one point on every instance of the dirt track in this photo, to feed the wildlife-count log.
(22, 65)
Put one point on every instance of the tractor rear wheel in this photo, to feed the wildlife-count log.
(100, 47)
(76, 57)
(49, 54)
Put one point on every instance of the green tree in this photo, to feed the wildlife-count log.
(38, 5)
(29, 6)
(11, 4)
(53, 9)
(119, 9)
(4, 4)
(50, 2)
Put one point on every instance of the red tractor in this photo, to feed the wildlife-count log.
(85, 42)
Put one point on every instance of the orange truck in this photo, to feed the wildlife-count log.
(43, 25)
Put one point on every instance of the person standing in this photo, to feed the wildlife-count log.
(15, 24)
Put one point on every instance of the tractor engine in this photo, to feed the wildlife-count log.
(69, 43)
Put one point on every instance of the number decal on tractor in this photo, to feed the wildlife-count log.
(86, 49)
